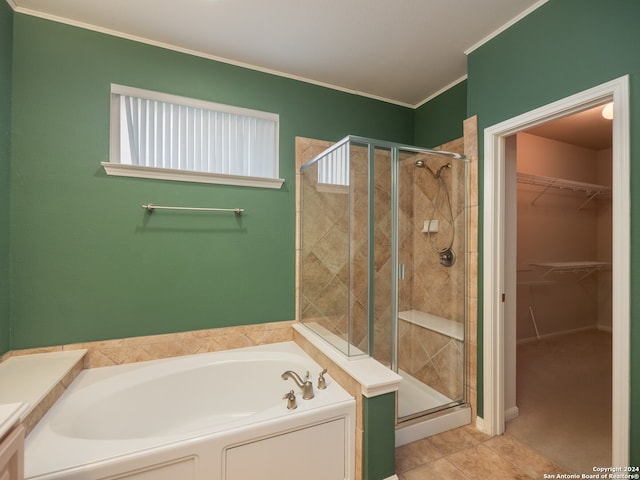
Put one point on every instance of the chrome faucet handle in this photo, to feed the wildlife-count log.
(322, 383)
(291, 400)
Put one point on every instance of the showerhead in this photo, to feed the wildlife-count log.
(422, 164)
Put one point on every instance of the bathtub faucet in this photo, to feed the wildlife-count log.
(305, 385)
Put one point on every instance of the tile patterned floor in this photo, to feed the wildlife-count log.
(468, 454)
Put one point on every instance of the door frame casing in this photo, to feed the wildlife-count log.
(493, 421)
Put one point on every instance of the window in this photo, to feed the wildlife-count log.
(333, 169)
(157, 135)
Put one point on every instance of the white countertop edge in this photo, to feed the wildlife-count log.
(33, 394)
(10, 414)
(374, 378)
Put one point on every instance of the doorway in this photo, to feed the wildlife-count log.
(562, 232)
(500, 280)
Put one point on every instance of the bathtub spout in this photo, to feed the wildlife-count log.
(305, 385)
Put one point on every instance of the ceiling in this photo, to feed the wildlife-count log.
(401, 51)
(588, 129)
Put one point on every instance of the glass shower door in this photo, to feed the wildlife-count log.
(431, 234)
(383, 263)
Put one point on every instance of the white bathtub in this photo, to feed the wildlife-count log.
(208, 416)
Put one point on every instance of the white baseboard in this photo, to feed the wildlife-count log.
(480, 425)
(392, 477)
(511, 413)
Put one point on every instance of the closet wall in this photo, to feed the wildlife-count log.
(555, 226)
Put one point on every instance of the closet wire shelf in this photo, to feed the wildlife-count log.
(592, 190)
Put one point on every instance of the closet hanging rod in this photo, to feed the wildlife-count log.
(150, 208)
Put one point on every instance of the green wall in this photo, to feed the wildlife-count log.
(440, 119)
(6, 46)
(87, 262)
(378, 456)
(562, 48)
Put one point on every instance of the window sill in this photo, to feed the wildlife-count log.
(121, 170)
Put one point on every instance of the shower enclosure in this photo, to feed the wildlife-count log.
(382, 263)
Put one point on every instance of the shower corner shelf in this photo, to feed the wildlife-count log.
(591, 190)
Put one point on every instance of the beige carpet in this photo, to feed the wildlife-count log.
(563, 393)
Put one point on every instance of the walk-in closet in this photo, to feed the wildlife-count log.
(563, 308)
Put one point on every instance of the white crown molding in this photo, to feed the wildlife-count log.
(442, 90)
(196, 53)
(511, 22)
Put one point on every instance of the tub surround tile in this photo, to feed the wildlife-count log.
(373, 377)
(39, 376)
(358, 455)
(31, 351)
(137, 349)
(336, 372)
(352, 375)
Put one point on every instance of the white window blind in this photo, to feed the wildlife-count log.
(156, 131)
(334, 168)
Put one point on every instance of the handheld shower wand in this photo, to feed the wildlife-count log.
(447, 256)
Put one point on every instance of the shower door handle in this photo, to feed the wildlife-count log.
(401, 271)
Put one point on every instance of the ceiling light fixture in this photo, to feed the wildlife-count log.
(607, 111)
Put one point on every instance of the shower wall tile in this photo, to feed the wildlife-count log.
(427, 286)
(437, 289)
(306, 149)
(325, 267)
(472, 240)
(470, 127)
(435, 359)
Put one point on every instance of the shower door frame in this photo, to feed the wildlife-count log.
(396, 150)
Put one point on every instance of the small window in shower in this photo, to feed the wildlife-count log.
(334, 168)
(333, 171)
